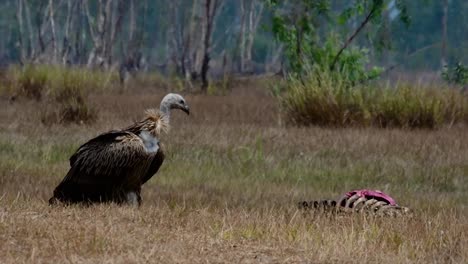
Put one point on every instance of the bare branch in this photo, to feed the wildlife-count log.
(356, 32)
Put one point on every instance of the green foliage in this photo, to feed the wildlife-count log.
(456, 74)
(322, 98)
(351, 65)
(402, 6)
(300, 29)
(296, 25)
(329, 81)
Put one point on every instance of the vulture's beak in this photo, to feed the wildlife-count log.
(186, 109)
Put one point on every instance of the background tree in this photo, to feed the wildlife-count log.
(249, 36)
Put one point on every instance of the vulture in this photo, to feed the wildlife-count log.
(113, 166)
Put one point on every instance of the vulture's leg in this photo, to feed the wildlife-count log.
(133, 198)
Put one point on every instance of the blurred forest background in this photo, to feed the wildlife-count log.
(323, 54)
(193, 38)
(293, 100)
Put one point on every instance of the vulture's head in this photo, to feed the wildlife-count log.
(174, 101)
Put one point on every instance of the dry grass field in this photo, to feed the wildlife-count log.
(228, 189)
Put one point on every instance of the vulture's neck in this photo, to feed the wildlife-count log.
(165, 110)
(155, 122)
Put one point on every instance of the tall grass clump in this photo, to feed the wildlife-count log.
(326, 99)
(29, 81)
(63, 91)
(417, 106)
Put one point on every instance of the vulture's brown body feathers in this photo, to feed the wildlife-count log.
(113, 166)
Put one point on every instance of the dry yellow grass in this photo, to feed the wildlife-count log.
(228, 189)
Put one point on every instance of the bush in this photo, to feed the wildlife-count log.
(73, 110)
(323, 99)
(416, 106)
(456, 74)
(29, 81)
(63, 90)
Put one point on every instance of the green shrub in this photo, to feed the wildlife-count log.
(456, 74)
(321, 98)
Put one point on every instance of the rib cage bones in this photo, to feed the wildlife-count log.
(356, 204)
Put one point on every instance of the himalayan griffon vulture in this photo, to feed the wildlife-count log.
(113, 166)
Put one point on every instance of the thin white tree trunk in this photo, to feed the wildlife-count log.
(443, 59)
(32, 51)
(98, 33)
(242, 35)
(66, 36)
(80, 33)
(191, 42)
(197, 36)
(54, 35)
(175, 55)
(132, 21)
(254, 20)
(41, 30)
(19, 18)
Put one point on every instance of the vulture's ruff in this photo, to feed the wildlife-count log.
(113, 166)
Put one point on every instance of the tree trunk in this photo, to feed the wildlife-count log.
(96, 56)
(54, 35)
(131, 22)
(32, 50)
(211, 8)
(191, 43)
(66, 47)
(386, 37)
(42, 21)
(254, 19)
(19, 19)
(80, 33)
(109, 20)
(172, 38)
(115, 25)
(198, 38)
(242, 36)
(443, 52)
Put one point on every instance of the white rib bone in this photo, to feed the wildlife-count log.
(351, 200)
(359, 204)
(377, 205)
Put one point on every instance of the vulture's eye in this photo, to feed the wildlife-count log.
(181, 101)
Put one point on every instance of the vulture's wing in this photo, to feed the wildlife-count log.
(112, 161)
